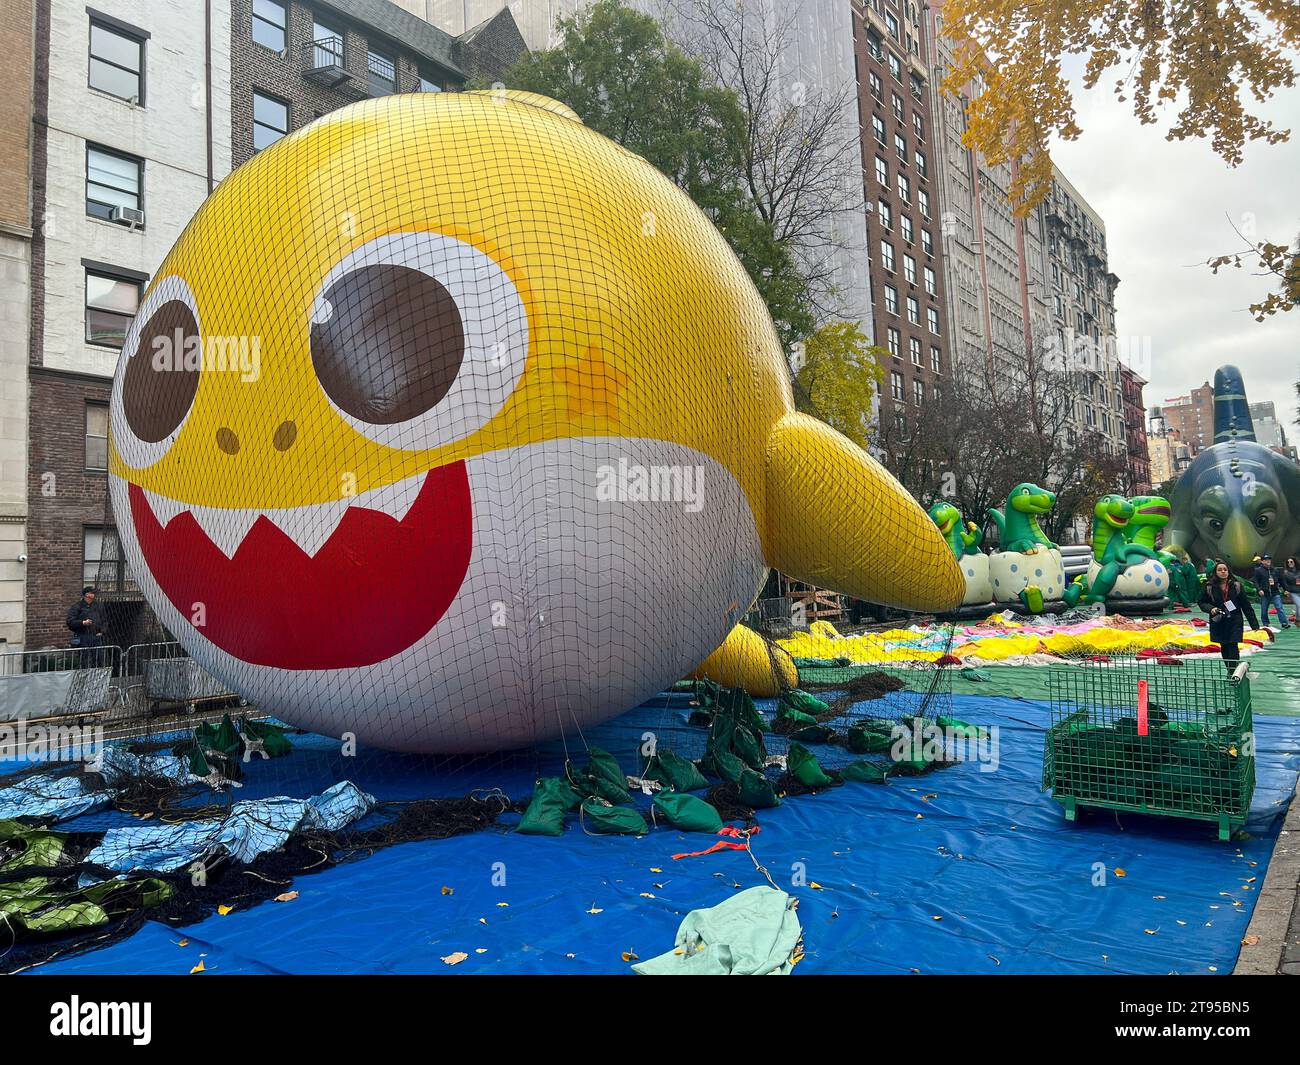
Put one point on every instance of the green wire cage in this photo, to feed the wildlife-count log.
(1174, 741)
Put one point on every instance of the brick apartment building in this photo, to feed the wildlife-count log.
(898, 161)
(139, 108)
(1135, 431)
(1191, 417)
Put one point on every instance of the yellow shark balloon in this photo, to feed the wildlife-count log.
(450, 424)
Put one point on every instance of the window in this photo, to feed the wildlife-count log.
(927, 242)
(895, 67)
(918, 392)
(909, 269)
(891, 299)
(914, 313)
(936, 364)
(904, 189)
(383, 73)
(429, 83)
(920, 164)
(896, 385)
(882, 172)
(887, 255)
(918, 124)
(932, 320)
(111, 303)
(900, 147)
(102, 563)
(96, 436)
(891, 23)
(929, 281)
(914, 346)
(270, 120)
(878, 128)
(269, 20)
(875, 45)
(113, 179)
(909, 234)
(873, 79)
(891, 340)
(329, 50)
(116, 62)
(886, 214)
(923, 201)
(916, 86)
(898, 106)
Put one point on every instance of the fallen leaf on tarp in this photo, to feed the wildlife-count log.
(145, 817)
(655, 869)
(1250, 941)
(646, 895)
(936, 917)
(814, 885)
(1149, 931)
(932, 795)
(181, 942)
(595, 909)
(1184, 923)
(288, 896)
(198, 968)
(482, 920)
(631, 955)
(223, 909)
(1159, 898)
(1252, 880)
(448, 891)
(501, 904)
(1120, 872)
(456, 958)
(480, 950)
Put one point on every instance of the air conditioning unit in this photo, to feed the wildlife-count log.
(127, 216)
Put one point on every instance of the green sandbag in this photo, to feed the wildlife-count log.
(604, 766)
(748, 747)
(805, 768)
(756, 791)
(738, 704)
(961, 728)
(865, 772)
(223, 738)
(687, 813)
(801, 702)
(723, 764)
(545, 814)
(612, 820)
(812, 734)
(674, 771)
(864, 740)
(795, 717)
(272, 738)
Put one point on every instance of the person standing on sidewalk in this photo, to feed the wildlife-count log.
(1291, 587)
(86, 621)
(1267, 580)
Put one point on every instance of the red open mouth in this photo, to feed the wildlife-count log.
(375, 586)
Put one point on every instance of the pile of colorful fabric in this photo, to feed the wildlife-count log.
(1002, 640)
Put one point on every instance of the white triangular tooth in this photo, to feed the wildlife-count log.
(310, 526)
(164, 507)
(225, 527)
(393, 499)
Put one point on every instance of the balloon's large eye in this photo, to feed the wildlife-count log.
(390, 345)
(158, 373)
(160, 380)
(418, 339)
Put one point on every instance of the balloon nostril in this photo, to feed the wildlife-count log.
(227, 441)
(285, 435)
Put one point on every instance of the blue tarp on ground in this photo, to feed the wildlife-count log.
(959, 871)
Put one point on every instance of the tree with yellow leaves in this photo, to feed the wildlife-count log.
(837, 371)
(1207, 60)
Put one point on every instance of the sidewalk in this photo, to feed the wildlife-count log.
(1272, 941)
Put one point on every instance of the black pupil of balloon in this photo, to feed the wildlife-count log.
(162, 374)
(390, 344)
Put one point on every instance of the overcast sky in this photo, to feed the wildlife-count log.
(1166, 207)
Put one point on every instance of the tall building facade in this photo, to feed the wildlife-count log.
(139, 109)
(1269, 429)
(1135, 431)
(1191, 416)
(995, 262)
(17, 38)
(1082, 313)
(908, 285)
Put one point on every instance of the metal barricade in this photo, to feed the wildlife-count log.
(58, 681)
(155, 676)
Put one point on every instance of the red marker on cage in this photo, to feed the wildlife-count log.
(1143, 700)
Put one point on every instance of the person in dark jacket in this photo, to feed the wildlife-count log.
(86, 621)
(1268, 580)
(1291, 587)
(1228, 605)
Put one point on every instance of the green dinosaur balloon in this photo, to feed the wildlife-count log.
(1018, 528)
(1112, 549)
(1150, 515)
(962, 540)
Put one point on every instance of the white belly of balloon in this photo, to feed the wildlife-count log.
(1011, 572)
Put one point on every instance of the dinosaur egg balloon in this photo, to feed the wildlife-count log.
(450, 424)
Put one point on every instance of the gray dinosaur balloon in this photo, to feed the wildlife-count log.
(1238, 499)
